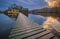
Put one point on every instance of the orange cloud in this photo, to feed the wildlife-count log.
(53, 3)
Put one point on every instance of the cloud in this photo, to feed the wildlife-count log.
(30, 2)
(53, 3)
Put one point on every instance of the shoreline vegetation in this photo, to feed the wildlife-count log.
(54, 12)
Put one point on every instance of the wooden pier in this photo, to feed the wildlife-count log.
(25, 28)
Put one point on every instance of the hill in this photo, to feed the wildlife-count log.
(47, 11)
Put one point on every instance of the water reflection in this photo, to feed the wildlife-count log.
(6, 24)
(37, 18)
(51, 23)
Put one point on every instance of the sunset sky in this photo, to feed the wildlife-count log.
(30, 4)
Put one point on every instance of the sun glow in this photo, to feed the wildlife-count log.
(53, 3)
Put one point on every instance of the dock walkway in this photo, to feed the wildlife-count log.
(25, 28)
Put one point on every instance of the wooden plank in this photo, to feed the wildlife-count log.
(37, 35)
(23, 34)
(14, 32)
(24, 28)
(56, 26)
(55, 38)
(52, 37)
(47, 36)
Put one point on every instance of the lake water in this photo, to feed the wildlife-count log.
(37, 18)
(7, 23)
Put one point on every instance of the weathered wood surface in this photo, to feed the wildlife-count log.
(24, 28)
